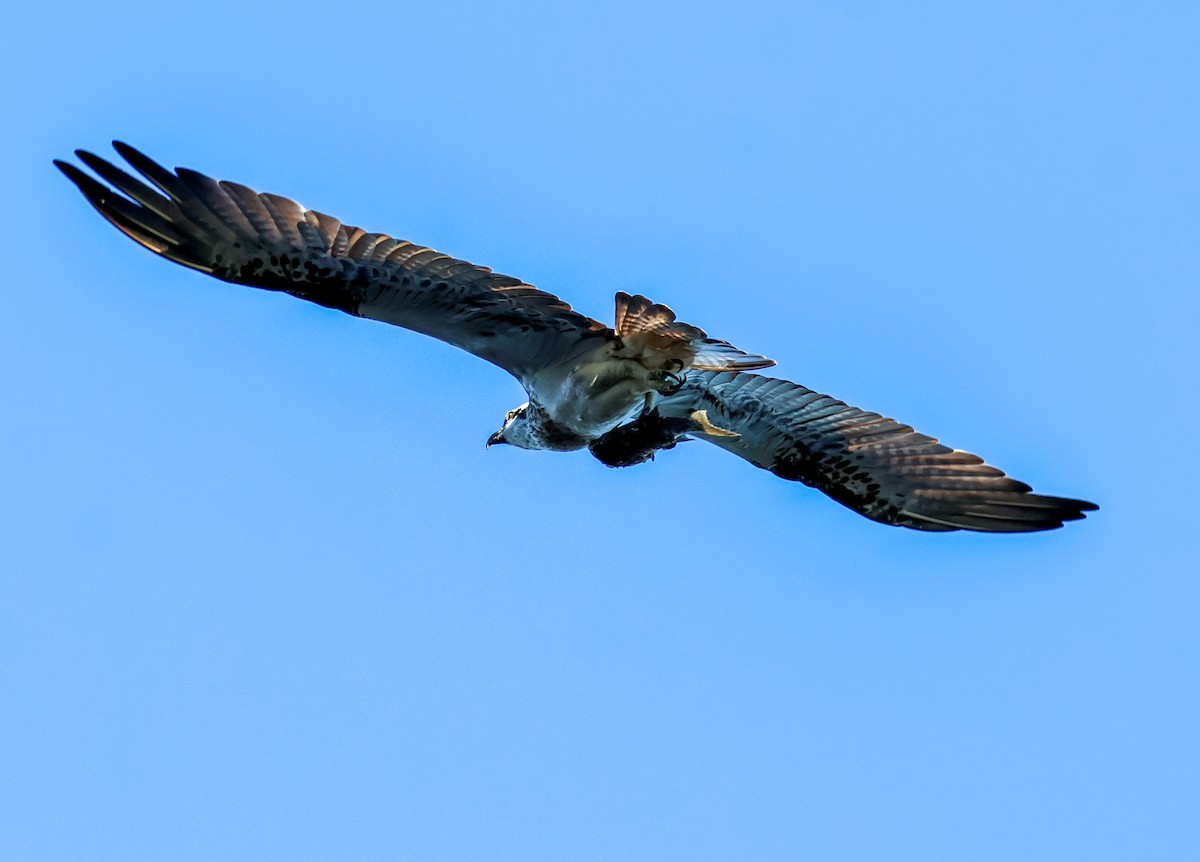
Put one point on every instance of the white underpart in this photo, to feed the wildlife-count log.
(594, 394)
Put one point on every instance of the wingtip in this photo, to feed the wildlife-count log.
(1022, 513)
(93, 161)
(1070, 509)
(130, 153)
(72, 172)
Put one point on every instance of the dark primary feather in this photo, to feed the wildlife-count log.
(267, 241)
(876, 466)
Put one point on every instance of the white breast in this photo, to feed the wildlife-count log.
(594, 394)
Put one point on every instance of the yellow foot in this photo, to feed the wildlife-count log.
(700, 417)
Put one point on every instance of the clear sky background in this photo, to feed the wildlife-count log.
(263, 594)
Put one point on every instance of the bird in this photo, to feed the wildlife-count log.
(624, 392)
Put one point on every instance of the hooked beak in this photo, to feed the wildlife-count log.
(498, 437)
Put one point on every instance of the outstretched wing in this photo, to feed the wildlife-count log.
(263, 240)
(874, 465)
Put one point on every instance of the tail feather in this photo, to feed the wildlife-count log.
(637, 314)
(648, 327)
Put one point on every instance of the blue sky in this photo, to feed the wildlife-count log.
(265, 595)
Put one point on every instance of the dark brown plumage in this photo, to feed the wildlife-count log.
(584, 378)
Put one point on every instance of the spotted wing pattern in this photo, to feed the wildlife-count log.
(876, 466)
(236, 234)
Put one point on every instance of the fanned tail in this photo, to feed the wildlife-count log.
(637, 314)
(650, 329)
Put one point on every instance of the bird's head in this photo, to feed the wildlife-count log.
(515, 430)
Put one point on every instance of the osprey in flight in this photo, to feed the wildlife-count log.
(623, 392)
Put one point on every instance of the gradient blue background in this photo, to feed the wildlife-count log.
(265, 595)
